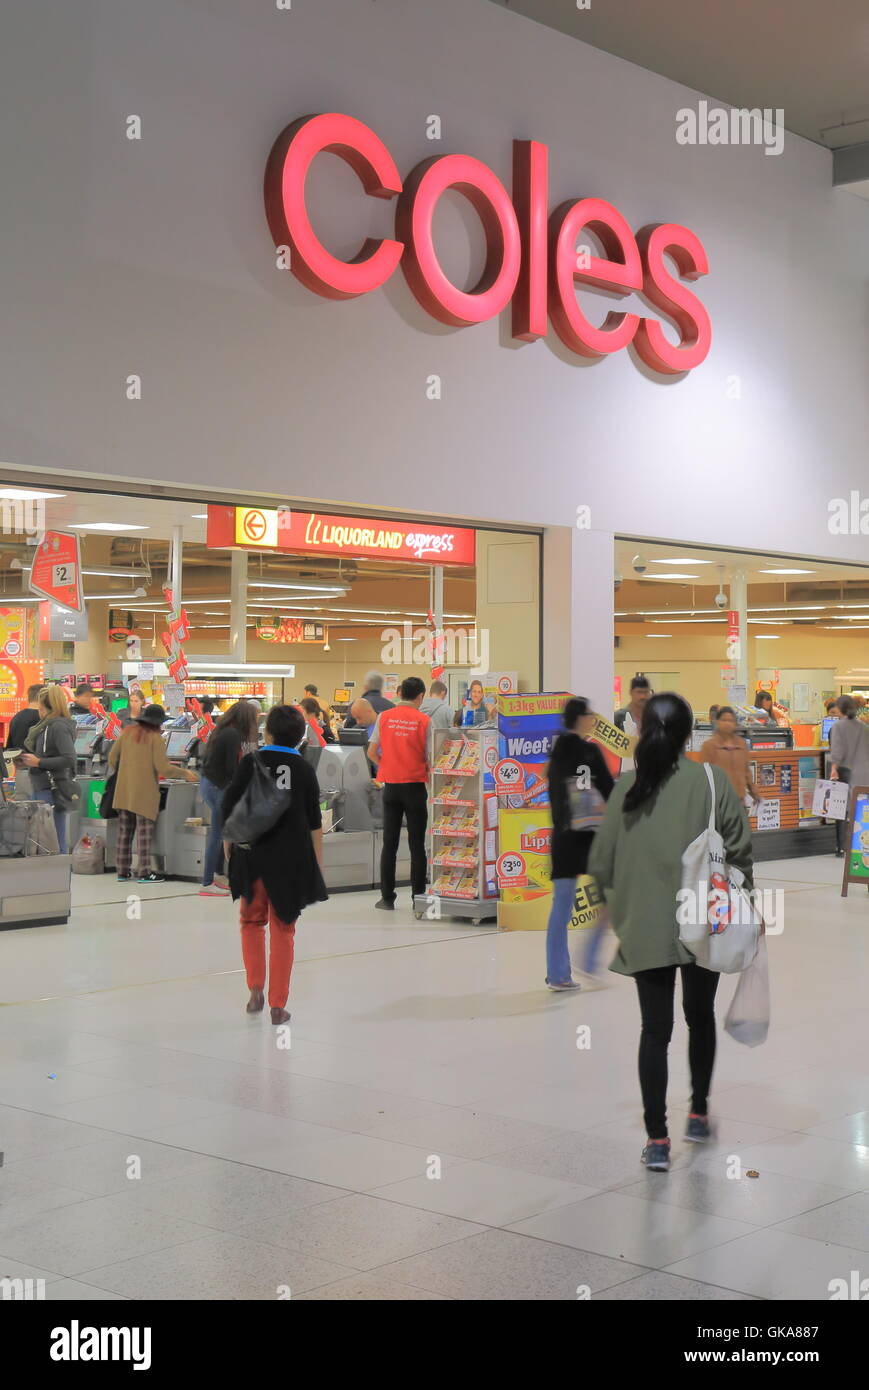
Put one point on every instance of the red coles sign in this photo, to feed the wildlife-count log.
(531, 258)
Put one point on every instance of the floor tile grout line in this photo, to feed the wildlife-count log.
(219, 974)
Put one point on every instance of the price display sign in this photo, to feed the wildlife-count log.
(509, 775)
(56, 572)
(511, 871)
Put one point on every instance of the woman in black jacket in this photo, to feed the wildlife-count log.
(577, 771)
(281, 873)
(234, 734)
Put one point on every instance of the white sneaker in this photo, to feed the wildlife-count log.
(213, 890)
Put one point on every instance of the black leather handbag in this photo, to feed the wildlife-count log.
(107, 800)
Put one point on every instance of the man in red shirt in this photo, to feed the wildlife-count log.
(399, 749)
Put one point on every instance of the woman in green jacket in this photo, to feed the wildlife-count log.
(650, 819)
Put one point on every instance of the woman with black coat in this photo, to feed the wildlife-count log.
(281, 873)
(577, 771)
(234, 735)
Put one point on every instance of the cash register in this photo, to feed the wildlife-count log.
(178, 744)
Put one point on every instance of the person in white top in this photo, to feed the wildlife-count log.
(630, 719)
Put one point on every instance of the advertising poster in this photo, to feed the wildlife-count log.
(56, 572)
(15, 677)
(588, 903)
(808, 773)
(13, 634)
(857, 858)
(769, 815)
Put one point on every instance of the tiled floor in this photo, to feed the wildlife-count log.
(432, 1131)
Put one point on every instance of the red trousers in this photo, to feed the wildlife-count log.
(254, 916)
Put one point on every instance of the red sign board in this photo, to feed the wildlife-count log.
(56, 569)
(531, 262)
(374, 538)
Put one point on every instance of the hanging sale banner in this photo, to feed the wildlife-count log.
(56, 572)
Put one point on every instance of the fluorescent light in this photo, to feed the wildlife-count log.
(23, 494)
(767, 637)
(688, 620)
(136, 593)
(346, 639)
(682, 560)
(785, 571)
(790, 607)
(312, 588)
(826, 627)
(106, 526)
(649, 636)
(119, 574)
(669, 576)
(199, 516)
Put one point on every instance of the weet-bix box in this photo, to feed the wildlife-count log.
(528, 725)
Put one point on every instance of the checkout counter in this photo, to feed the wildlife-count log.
(351, 849)
(178, 846)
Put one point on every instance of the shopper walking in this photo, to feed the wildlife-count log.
(849, 754)
(234, 734)
(399, 749)
(578, 776)
(281, 873)
(728, 750)
(652, 816)
(50, 756)
(139, 758)
(630, 719)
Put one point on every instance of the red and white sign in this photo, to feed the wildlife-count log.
(509, 775)
(56, 572)
(367, 537)
(510, 869)
(531, 257)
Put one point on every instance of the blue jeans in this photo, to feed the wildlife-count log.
(59, 816)
(213, 798)
(557, 954)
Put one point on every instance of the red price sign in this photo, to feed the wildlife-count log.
(509, 775)
(56, 572)
(510, 869)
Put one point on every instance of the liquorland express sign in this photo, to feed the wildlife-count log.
(533, 259)
(303, 532)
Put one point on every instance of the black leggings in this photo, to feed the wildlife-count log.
(656, 989)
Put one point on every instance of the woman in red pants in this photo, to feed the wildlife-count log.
(281, 873)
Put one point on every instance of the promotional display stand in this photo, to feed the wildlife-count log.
(857, 840)
(463, 825)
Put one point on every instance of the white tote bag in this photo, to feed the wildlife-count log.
(717, 919)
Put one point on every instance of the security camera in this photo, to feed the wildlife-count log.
(639, 564)
(617, 580)
(721, 599)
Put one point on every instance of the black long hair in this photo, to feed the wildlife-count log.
(667, 723)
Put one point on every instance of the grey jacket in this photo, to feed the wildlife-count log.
(849, 747)
(54, 746)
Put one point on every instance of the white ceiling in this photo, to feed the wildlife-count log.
(810, 59)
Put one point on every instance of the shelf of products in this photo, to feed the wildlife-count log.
(463, 825)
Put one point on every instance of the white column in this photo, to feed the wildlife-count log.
(238, 605)
(739, 602)
(578, 623)
(175, 576)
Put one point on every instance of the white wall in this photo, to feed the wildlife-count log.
(155, 258)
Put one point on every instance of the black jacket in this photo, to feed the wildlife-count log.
(222, 754)
(20, 727)
(377, 702)
(570, 848)
(284, 858)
